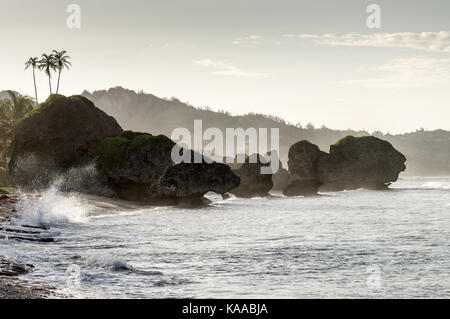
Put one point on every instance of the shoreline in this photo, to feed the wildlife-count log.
(12, 286)
(18, 288)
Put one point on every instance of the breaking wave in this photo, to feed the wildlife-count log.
(52, 207)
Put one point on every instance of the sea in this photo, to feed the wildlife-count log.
(349, 244)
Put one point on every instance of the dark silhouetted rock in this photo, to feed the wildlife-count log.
(303, 161)
(139, 167)
(253, 183)
(353, 162)
(13, 268)
(55, 134)
(302, 188)
(189, 182)
(280, 179)
(360, 162)
(131, 164)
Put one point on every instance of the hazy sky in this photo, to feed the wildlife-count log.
(306, 61)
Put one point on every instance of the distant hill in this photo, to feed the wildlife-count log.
(428, 152)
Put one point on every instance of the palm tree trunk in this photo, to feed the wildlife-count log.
(35, 88)
(59, 75)
(50, 84)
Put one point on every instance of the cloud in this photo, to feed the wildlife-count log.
(427, 41)
(225, 68)
(408, 72)
(253, 39)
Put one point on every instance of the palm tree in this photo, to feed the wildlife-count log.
(48, 63)
(62, 61)
(33, 62)
(11, 111)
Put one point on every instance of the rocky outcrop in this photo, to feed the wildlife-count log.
(13, 268)
(189, 182)
(132, 163)
(303, 159)
(360, 162)
(139, 167)
(353, 162)
(71, 138)
(253, 183)
(56, 133)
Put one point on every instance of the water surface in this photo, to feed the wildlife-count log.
(352, 244)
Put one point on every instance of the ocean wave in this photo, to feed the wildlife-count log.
(115, 213)
(52, 207)
(108, 262)
(117, 264)
(437, 185)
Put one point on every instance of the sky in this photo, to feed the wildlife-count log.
(303, 60)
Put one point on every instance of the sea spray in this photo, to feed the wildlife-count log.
(52, 207)
(84, 179)
(61, 202)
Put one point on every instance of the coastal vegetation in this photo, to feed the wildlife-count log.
(56, 61)
(6, 190)
(12, 110)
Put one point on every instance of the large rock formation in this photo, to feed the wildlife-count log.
(353, 162)
(131, 163)
(303, 159)
(70, 137)
(188, 182)
(57, 132)
(360, 162)
(253, 183)
(139, 167)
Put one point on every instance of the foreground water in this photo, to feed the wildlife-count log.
(353, 244)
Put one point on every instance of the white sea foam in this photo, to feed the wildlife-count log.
(52, 207)
(437, 185)
(108, 262)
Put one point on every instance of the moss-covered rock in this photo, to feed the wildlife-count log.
(139, 167)
(352, 163)
(360, 162)
(109, 154)
(54, 135)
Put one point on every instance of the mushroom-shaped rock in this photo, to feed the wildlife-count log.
(190, 181)
(360, 162)
(303, 158)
